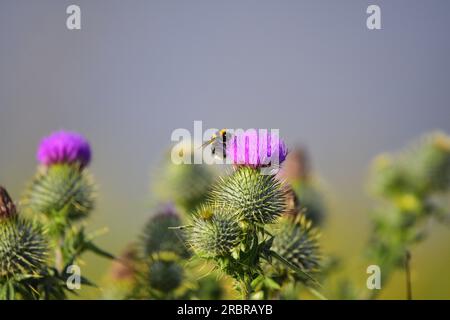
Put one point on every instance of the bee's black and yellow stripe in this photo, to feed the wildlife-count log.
(223, 134)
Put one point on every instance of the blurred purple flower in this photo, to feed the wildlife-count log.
(167, 210)
(64, 147)
(256, 149)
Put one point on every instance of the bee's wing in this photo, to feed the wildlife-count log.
(207, 143)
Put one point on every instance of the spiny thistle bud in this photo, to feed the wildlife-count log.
(61, 188)
(297, 241)
(390, 177)
(431, 162)
(423, 168)
(215, 232)
(7, 207)
(165, 276)
(64, 147)
(158, 236)
(185, 184)
(256, 197)
(303, 197)
(23, 248)
(311, 203)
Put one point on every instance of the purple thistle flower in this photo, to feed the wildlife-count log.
(64, 147)
(256, 149)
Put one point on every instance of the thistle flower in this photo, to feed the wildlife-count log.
(61, 189)
(64, 147)
(7, 207)
(215, 232)
(157, 236)
(256, 197)
(165, 276)
(256, 150)
(297, 241)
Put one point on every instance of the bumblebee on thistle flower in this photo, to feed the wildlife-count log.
(251, 148)
(231, 227)
(218, 143)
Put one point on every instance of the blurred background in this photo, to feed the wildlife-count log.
(137, 70)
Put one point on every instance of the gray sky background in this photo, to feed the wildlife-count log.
(139, 69)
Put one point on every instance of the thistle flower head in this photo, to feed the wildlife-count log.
(158, 237)
(64, 147)
(7, 207)
(215, 232)
(297, 241)
(58, 187)
(165, 276)
(256, 197)
(256, 149)
(23, 248)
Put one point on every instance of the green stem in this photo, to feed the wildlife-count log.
(59, 260)
(408, 275)
(316, 293)
(246, 290)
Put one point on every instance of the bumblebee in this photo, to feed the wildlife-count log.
(218, 143)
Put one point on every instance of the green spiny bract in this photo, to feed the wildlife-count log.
(258, 198)
(61, 189)
(165, 276)
(297, 241)
(23, 249)
(215, 232)
(159, 237)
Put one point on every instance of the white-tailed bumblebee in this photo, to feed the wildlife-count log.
(218, 143)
